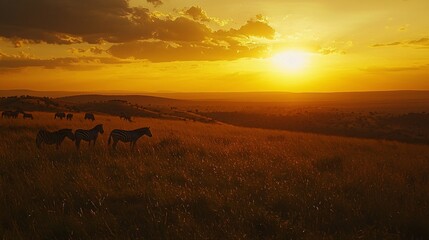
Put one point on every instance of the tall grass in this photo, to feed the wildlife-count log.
(207, 181)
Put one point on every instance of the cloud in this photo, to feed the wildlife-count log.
(417, 43)
(22, 60)
(94, 50)
(253, 27)
(156, 3)
(335, 47)
(197, 14)
(92, 21)
(208, 45)
(115, 21)
(387, 44)
(161, 51)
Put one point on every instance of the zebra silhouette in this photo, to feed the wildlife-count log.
(89, 116)
(125, 117)
(88, 135)
(50, 138)
(69, 116)
(10, 114)
(27, 115)
(60, 115)
(128, 136)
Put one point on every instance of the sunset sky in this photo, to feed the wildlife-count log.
(214, 45)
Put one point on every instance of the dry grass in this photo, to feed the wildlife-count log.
(206, 181)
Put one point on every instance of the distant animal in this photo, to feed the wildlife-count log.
(89, 116)
(28, 115)
(10, 114)
(50, 138)
(60, 115)
(125, 117)
(88, 135)
(69, 116)
(128, 136)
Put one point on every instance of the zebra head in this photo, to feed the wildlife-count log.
(68, 133)
(147, 131)
(99, 128)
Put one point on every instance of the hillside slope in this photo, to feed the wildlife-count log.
(209, 181)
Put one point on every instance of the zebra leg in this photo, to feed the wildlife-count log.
(77, 142)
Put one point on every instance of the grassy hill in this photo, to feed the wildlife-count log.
(209, 181)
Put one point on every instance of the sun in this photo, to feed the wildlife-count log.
(293, 61)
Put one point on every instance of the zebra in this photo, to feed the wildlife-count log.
(88, 135)
(6, 114)
(27, 115)
(89, 116)
(69, 116)
(60, 115)
(125, 117)
(128, 136)
(10, 114)
(50, 138)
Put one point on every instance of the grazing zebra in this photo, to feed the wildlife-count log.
(88, 135)
(128, 136)
(28, 115)
(51, 138)
(89, 116)
(10, 114)
(69, 116)
(60, 115)
(6, 114)
(125, 117)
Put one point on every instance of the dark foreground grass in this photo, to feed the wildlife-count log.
(205, 181)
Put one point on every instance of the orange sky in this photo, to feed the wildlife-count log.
(261, 45)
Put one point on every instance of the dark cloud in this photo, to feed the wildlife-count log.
(115, 21)
(387, 44)
(161, 51)
(197, 14)
(18, 61)
(253, 27)
(207, 45)
(418, 43)
(92, 21)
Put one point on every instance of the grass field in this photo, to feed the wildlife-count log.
(209, 181)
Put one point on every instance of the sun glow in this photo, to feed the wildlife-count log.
(293, 61)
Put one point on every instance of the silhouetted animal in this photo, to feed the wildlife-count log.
(28, 115)
(60, 115)
(51, 138)
(125, 117)
(89, 116)
(10, 114)
(128, 136)
(88, 135)
(69, 116)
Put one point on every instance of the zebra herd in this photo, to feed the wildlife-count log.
(69, 116)
(50, 138)
(58, 115)
(91, 135)
(15, 114)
